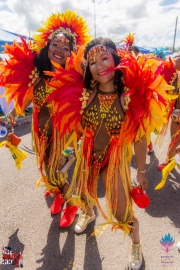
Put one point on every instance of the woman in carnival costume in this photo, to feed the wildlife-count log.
(122, 103)
(172, 111)
(161, 55)
(56, 42)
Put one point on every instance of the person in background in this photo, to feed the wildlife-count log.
(136, 52)
(175, 115)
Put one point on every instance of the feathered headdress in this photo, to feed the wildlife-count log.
(160, 53)
(129, 40)
(69, 21)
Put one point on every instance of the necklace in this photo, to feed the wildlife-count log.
(106, 93)
(106, 100)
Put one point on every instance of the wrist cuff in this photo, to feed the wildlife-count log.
(139, 171)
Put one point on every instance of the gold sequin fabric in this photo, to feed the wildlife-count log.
(103, 119)
(40, 94)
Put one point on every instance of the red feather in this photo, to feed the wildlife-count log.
(66, 97)
(141, 84)
(17, 73)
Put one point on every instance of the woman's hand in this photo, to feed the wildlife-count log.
(61, 164)
(141, 178)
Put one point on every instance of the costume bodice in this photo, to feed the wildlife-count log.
(41, 92)
(103, 117)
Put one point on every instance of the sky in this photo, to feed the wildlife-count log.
(152, 21)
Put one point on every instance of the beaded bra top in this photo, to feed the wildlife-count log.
(41, 92)
(45, 110)
(103, 118)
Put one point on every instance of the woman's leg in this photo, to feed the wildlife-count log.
(136, 252)
(88, 210)
(172, 150)
(173, 130)
(121, 197)
(86, 216)
(55, 179)
(134, 234)
(62, 185)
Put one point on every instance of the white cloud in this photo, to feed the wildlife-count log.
(2, 4)
(152, 21)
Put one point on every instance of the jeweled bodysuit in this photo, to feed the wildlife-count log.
(103, 117)
(44, 142)
(41, 92)
(102, 120)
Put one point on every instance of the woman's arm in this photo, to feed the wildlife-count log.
(140, 149)
(13, 113)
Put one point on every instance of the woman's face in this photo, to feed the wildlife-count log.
(99, 63)
(58, 52)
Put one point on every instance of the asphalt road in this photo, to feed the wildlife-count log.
(27, 225)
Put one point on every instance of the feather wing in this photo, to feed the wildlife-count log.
(146, 96)
(69, 97)
(19, 74)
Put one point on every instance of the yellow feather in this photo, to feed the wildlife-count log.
(165, 172)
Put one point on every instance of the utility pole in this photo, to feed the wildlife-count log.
(94, 18)
(174, 35)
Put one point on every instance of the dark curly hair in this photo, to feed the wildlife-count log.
(118, 77)
(42, 61)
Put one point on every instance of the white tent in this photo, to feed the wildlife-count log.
(4, 56)
(9, 37)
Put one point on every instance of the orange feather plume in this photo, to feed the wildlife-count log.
(19, 74)
(73, 24)
(129, 39)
